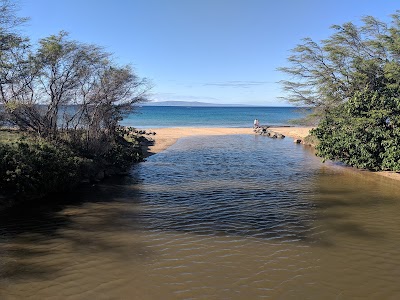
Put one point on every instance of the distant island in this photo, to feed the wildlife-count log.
(191, 103)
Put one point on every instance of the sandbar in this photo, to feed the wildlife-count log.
(166, 137)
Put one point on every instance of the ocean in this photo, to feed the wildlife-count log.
(172, 116)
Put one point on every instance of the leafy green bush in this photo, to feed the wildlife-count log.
(32, 169)
(363, 132)
(121, 156)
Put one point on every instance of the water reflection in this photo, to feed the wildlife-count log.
(235, 217)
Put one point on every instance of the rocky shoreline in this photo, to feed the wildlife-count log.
(265, 131)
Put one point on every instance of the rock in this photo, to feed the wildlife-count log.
(263, 130)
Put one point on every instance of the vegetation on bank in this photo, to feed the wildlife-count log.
(352, 80)
(63, 99)
(31, 167)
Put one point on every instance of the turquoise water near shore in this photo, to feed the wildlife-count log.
(172, 116)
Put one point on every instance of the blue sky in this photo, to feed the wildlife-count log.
(220, 51)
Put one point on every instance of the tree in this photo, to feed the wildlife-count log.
(326, 74)
(68, 86)
(113, 95)
(15, 73)
(69, 94)
(352, 80)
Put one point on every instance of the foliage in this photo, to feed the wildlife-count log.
(122, 155)
(32, 167)
(363, 132)
(67, 85)
(7, 136)
(352, 80)
(61, 85)
(70, 97)
(311, 140)
(35, 168)
(324, 75)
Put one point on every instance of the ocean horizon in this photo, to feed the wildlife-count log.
(234, 117)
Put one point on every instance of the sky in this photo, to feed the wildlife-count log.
(217, 51)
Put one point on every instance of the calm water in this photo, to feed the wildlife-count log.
(169, 116)
(235, 217)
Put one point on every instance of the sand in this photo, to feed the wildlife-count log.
(166, 137)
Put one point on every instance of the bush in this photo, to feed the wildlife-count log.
(363, 132)
(32, 169)
(122, 156)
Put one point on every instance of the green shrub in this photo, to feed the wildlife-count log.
(122, 155)
(31, 169)
(363, 132)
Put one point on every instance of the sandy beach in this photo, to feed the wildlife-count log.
(166, 137)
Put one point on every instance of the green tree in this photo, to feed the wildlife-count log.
(326, 74)
(67, 97)
(67, 86)
(352, 80)
(15, 71)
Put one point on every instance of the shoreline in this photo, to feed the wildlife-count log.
(167, 136)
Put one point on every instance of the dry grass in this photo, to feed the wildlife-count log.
(9, 135)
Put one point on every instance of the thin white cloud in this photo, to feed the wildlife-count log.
(238, 83)
(173, 96)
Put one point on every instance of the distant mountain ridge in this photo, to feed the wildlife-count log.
(190, 103)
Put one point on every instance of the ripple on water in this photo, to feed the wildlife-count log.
(235, 217)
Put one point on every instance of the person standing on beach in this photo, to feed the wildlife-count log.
(256, 123)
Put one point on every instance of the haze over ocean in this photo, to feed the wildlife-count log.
(170, 116)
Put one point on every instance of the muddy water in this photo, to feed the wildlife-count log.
(236, 217)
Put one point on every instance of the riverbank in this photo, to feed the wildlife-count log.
(32, 167)
(166, 137)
